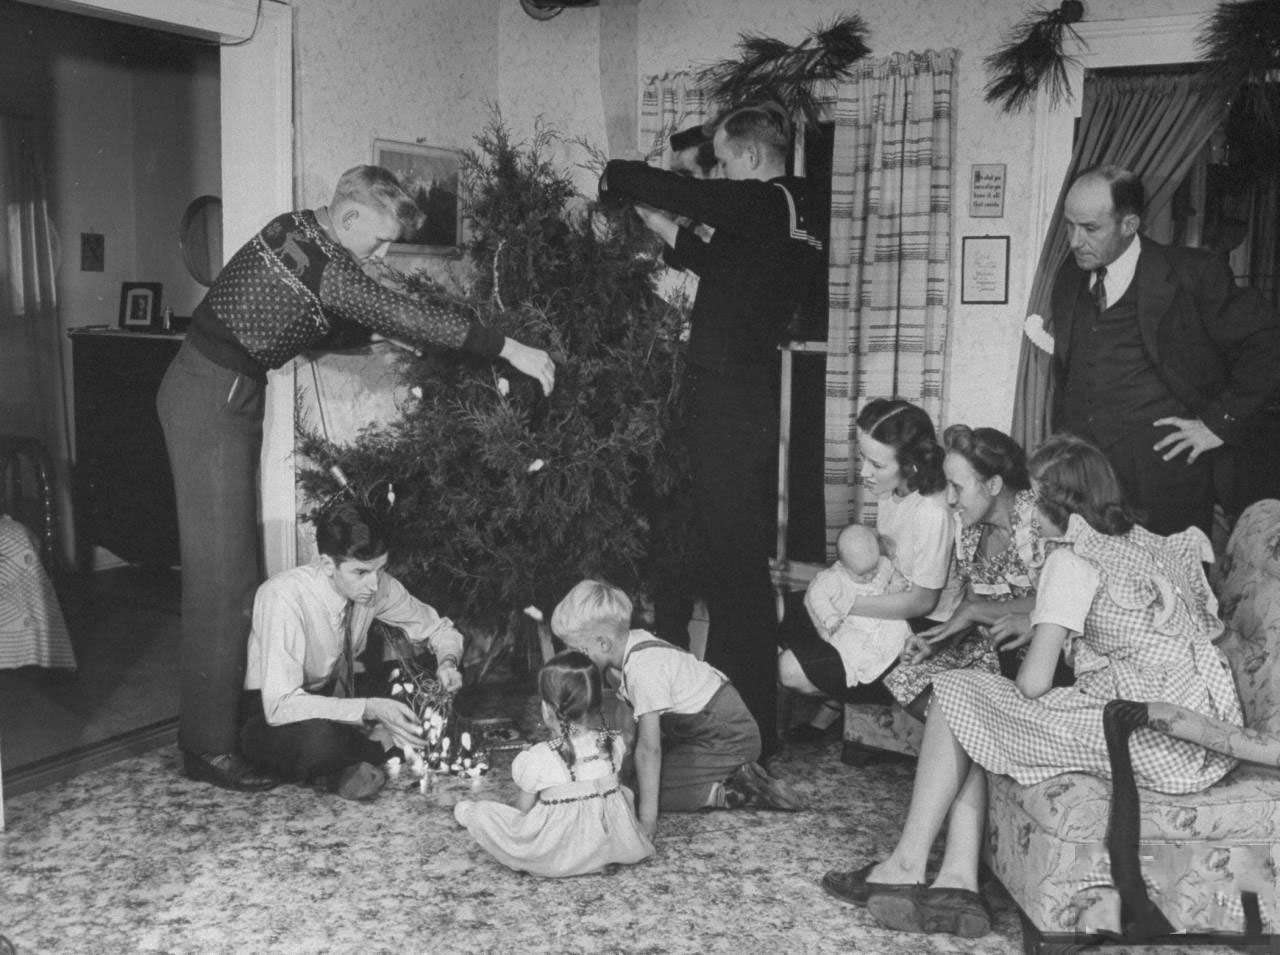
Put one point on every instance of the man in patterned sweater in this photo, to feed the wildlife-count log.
(753, 275)
(287, 290)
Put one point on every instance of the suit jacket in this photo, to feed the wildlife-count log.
(1216, 346)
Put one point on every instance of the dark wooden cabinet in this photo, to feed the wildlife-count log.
(123, 485)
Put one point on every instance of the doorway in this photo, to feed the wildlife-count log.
(252, 170)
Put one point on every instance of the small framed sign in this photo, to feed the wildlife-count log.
(984, 270)
(986, 190)
(140, 305)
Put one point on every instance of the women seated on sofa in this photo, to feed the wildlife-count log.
(989, 492)
(902, 469)
(1134, 614)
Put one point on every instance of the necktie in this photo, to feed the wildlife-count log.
(344, 671)
(1099, 290)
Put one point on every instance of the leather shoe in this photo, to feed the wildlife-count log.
(751, 787)
(853, 886)
(951, 911)
(228, 771)
(357, 782)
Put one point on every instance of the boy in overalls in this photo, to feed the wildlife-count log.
(696, 743)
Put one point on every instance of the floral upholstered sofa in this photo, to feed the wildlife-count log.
(1210, 860)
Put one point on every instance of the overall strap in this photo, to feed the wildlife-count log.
(649, 644)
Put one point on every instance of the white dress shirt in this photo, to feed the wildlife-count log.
(297, 640)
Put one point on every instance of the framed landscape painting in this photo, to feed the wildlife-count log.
(433, 177)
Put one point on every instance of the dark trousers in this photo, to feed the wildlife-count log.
(733, 444)
(212, 421)
(702, 749)
(299, 752)
(1173, 495)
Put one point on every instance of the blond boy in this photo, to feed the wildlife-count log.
(696, 743)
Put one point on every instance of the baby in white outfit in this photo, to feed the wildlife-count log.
(867, 646)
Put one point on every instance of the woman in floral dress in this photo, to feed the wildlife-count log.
(988, 490)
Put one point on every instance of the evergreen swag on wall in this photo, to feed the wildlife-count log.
(505, 498)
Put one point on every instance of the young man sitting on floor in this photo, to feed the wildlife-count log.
(309, 625)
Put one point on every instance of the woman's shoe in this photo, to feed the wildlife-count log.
(853, 886)
(952, 911)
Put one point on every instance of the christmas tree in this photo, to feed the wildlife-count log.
(505, 498)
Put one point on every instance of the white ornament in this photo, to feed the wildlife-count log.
(504, 387)
(416, 391)
(534, 613)
(536, 466)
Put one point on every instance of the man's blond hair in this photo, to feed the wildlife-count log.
(380, 188)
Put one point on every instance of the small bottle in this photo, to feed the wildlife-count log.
(168, 318)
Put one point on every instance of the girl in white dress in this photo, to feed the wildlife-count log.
(571, 816)
(1134, 615)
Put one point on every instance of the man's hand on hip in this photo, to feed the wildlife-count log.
(1189, 434)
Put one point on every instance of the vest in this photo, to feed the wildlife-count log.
(1112, 386)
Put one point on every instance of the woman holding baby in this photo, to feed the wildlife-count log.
(956, 521)
(902, 467)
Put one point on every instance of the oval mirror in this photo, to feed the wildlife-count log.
(201, 238)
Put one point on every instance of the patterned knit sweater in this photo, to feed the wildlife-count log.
(288, 287)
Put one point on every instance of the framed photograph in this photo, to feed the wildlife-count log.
(984, 270)
(140, 305)
(433, 177)
(986, 190)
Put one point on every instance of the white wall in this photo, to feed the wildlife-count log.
(407, 70)
(129, 159)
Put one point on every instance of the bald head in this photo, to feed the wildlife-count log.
(1102, 212)
(858, 548)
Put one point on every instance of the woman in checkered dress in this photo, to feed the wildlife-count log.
(1134, 614)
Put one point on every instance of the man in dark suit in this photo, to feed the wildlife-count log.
(1160, 358)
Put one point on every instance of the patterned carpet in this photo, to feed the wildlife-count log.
(135, 858)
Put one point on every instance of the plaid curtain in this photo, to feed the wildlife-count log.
(668, 103)
(890, 253)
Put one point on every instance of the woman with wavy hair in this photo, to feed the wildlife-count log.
(902, 468)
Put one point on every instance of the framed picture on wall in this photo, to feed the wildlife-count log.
(433, 176)
(140, 305)
(984, 270)
(986, 190)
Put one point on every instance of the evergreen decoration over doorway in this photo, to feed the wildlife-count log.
(769, 69)
(1242, 42)
(1033, 55)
